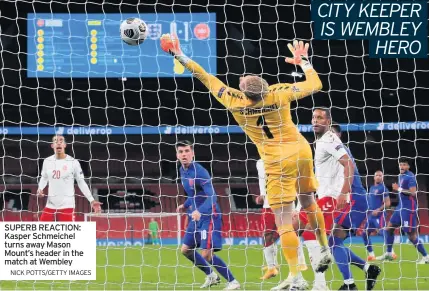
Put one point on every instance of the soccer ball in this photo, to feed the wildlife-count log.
(133, 31)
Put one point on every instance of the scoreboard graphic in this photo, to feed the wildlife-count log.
(89, 45)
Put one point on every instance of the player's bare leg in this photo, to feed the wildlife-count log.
(290, 243)
(317, 223)
(270, 254)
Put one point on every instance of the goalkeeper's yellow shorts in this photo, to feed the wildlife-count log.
(291, 175)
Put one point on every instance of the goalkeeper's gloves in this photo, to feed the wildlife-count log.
(300, 55)
(171, 44)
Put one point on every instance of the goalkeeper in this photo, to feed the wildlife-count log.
(154, 229)
(263, 112)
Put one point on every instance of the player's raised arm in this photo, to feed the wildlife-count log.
(79, 177)
(171, 45)
(311, 85)
(411, 191)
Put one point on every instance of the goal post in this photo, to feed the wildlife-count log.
(133, 228)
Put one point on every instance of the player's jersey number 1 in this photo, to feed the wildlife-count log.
(261, 121)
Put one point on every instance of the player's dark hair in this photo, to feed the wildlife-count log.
(326, 110)
(336, 127)
(404, 161)
(184, 143)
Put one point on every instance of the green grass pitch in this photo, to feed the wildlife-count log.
(151, 268)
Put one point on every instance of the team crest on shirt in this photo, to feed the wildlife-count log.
(295, 89)
(219, 94)
(376, 192)
(191, 183)
(338, 147)
(65, 168)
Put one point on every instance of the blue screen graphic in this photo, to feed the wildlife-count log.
(62, 45)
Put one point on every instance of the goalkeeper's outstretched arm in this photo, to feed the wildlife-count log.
(312, 83)
(171, 45)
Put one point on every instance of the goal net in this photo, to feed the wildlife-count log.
(122, 109)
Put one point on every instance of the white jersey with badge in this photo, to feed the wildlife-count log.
(329, 171)
(61, 174)
(262, 183)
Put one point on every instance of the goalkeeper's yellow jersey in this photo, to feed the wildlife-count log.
(268, 123)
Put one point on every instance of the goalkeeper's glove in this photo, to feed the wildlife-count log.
(171, 44)
(300, 55)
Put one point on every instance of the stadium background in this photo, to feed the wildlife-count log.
(252, 38)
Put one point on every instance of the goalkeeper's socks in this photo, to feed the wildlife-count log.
(420, 247)
(198, 260)
(367, 241)
(222, 268)
(317, 222)
(389, 239)
(342, 258)
(290, 243)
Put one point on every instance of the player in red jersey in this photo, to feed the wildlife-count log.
(60, 171)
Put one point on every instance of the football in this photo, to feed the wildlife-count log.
(133, 31)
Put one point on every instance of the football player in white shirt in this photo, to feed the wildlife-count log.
(339, 178)
(268, 222)
(60, 171)
(330, 174)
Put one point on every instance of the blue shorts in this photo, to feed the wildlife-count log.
(205, 234)
(405, 218)
(375, 223)
(351, 217)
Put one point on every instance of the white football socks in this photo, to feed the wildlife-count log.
(270, 254)
(313, 248)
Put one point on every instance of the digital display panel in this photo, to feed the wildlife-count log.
(62, 45)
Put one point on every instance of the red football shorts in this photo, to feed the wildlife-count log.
(327, 205)
(268, 220)
(59, 215)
